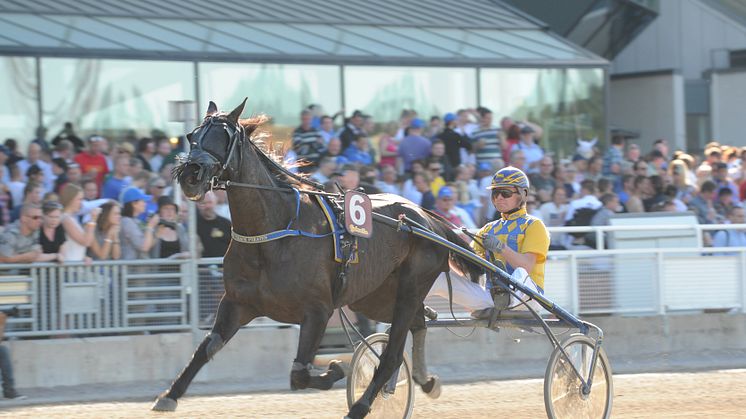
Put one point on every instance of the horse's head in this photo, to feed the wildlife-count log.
(215, 146)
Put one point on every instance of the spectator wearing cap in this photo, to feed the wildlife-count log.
(308, 143)
(119, 179)
(445, 206)
(19, 242)
(414, 146)
(137, 238)
(359, 151)
(92, 161)
(79, 237)
(171, 238)
(106, 244)
(486, 138)
(454, 142)
(33, 158)
(352, 129)
(531, 150)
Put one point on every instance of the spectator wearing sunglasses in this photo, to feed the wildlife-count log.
(19, 243)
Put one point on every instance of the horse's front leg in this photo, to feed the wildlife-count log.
(230, 317)
(311, 331)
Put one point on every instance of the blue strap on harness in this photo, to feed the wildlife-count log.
(279, 234)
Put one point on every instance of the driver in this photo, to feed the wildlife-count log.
(516, 242)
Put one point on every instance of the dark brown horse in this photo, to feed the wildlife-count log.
(274, 279)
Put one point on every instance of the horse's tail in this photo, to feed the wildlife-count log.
(458, 263)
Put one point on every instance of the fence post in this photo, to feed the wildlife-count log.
(574, 291)
(193, 295)
(742, 280)
(661, 293)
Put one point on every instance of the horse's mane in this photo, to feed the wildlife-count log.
(280, 171)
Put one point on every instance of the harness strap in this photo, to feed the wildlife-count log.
(279, 234)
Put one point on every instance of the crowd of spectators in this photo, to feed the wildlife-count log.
(444, 164)
(69, 200)
(73, 200)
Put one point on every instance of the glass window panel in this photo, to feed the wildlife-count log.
(567, 103)
(280, 91)
(18, 109)
(384, 91)
(114, 97)
(411, 45)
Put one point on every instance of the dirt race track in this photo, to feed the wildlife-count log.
(711, 394)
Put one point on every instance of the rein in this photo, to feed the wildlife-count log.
(236, 136)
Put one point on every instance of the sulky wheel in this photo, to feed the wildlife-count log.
(563, 394)
(388, 405)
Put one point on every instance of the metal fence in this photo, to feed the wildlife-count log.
(167, 295)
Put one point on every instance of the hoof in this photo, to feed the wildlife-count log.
(164, 404)
(335, 370)
(432, 388)
(358, 411)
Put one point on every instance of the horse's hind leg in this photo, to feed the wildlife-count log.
(311, 331)
(408, 302)
(230, 317)
(430, 384)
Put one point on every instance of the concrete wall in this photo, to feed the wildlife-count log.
(253, 354)
(264, 355)
(652, 104)
(688, 36)
(728, 102)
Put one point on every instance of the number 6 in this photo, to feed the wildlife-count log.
(357, 212)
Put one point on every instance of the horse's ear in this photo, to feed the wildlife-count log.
(212, 109)
(236, 113)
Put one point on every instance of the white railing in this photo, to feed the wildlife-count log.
(165, 295)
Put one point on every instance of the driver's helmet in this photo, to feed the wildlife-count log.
(509, 177)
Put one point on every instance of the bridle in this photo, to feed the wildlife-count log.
(236, 135)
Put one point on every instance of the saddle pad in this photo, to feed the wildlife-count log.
(337, 231)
